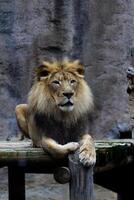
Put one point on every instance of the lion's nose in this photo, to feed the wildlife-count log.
(68, 94)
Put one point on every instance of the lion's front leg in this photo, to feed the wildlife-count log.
(58, 150)
(21, 116)
(87, 154)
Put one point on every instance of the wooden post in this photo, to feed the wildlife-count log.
(16, 183)
(81, 183)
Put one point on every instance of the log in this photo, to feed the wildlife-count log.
(110, 154)
(81, 183)
(113, 153)
(62, 175)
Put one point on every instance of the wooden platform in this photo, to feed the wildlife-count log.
(110, 153)
(114, 167)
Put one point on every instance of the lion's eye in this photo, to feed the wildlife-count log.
(56, 82)
(73, 81)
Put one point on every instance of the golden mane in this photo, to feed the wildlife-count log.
(40, 100)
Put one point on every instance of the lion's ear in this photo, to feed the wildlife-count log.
(79, 68)
(81, 71)
(43, 70)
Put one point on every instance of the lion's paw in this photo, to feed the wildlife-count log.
(87, 156)
(72, 146)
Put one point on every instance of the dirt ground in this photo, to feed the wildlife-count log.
(43, 187)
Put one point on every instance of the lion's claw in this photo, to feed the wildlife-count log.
(87, 157)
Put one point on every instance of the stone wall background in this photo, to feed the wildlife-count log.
(100, 33)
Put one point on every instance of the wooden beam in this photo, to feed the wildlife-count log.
(110, 153)
(113, 153)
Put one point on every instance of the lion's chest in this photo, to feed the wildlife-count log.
(58, 130)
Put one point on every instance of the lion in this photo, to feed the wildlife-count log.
(56, 115)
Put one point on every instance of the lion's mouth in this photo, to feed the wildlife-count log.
(66, 107)
(69, 103)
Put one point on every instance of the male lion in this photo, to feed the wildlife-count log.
(56, 116)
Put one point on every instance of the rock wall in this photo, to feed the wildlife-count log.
(100, 33)
(110, 38)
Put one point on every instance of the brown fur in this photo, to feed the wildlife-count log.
(56, 116)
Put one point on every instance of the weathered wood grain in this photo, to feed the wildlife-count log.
(81, 183)
(110, 153)
(21, 156)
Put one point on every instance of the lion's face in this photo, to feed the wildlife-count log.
(63, 88)
(60, 88)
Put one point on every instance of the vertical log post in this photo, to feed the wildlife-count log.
(16, 183)
(81, 183)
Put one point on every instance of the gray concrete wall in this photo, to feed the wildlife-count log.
(99, 32)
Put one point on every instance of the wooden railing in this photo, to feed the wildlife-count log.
(114, 168)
